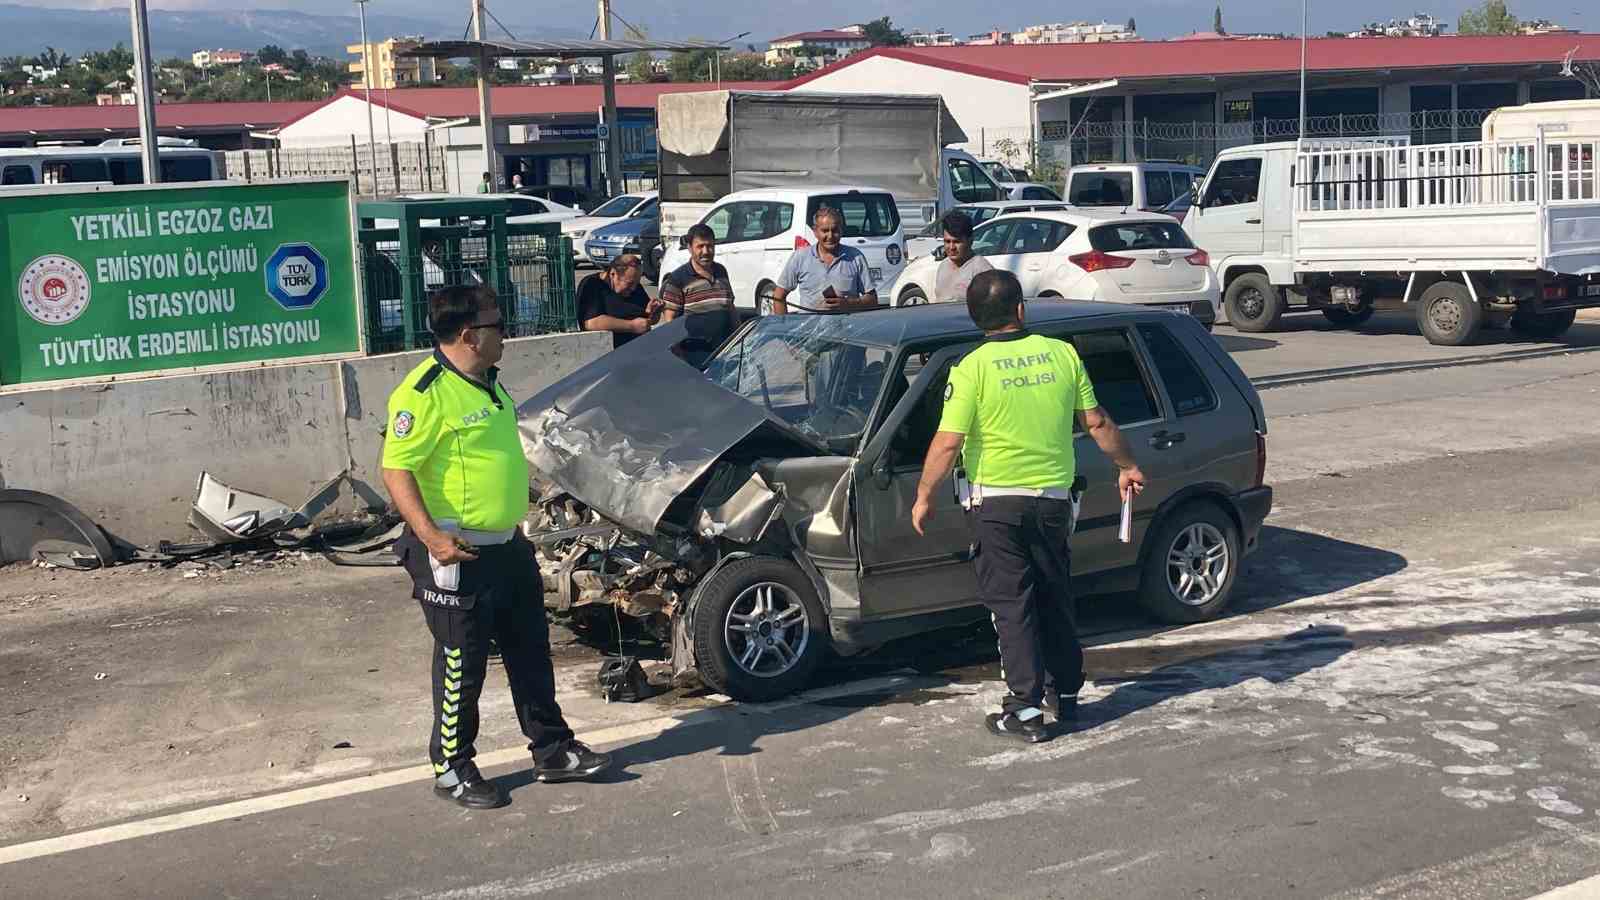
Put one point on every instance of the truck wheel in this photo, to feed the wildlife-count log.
(759, 629)
(764, 299)
(1543, 325)
(1344, 318)
(1253, 304)
(1190, 565)
(912, 296)
(1448, 315)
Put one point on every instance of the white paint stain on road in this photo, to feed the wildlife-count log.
(1549, 800)
(1468, 745)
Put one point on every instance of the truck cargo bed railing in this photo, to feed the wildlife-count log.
(1367, 176)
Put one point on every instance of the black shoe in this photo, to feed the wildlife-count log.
(1064, 708)
(464, 786)
(572, 762)
(1009, 726)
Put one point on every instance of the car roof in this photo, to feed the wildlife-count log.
(810, 191)
(1089, 215)
(895, 327)
(1005, 204)
(1129, 167)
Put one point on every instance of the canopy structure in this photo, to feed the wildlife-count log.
(608, 50)
(562, 49)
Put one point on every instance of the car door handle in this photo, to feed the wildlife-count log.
(1252, 221)
(1163, 440)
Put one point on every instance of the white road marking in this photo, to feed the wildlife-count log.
(378, 781)
(1587, 889)
(1074, 863)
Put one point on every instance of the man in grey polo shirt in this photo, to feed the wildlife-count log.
(827, 276)
(960, 266)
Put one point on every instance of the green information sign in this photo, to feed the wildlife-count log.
(114, 281)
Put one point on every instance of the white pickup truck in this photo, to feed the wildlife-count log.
(1503, 230)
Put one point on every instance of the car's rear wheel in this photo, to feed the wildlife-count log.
(1191, 563)
(1543, 325)
(1253, 304)
(759, 629)
(912, 296)
(1447, 314)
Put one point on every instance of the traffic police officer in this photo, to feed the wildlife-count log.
(1008, 410)
(454, 466)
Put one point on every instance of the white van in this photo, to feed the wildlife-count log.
(115, 162)
(758, 230)
(1151, 185)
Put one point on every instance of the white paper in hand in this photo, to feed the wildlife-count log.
(1125, 530)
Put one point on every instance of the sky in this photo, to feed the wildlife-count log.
(767, 19)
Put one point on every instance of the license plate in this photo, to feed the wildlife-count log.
(1181, 307)
(599, 254)
(1591, 290)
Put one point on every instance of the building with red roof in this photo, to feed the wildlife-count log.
(219, 126)
(1189, 99)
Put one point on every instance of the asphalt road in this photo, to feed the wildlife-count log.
(1403, 704)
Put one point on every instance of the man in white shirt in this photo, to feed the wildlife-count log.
(960, 265)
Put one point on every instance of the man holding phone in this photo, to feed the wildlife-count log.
(826, 277)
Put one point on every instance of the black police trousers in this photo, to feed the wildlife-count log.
(1023, 569)
(500, 596)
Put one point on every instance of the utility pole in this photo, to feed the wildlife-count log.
(608, 76)
(144, 86)
(366, 80)
(491, 162)
(1302, 70)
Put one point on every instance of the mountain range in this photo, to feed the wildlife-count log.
(27, 30)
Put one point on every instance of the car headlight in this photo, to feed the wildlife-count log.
(578, 233)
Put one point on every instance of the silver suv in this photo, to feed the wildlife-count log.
(1151, 186)
(763, 516)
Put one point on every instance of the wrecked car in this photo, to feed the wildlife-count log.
(757, 514)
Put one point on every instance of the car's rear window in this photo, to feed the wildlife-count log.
(865, 215)
(1101, 189)
(1139, 236)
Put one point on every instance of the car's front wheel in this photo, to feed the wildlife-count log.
(1253, 303)
(1190, 564)
(912, 296)
(759, 629)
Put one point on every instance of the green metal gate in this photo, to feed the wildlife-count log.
(411, 248)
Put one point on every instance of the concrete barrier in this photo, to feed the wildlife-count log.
(128, 453)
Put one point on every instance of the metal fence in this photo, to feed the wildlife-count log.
(388, 168)
(531, 271)
(1198, 142)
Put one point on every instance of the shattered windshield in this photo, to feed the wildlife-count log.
(823, 387)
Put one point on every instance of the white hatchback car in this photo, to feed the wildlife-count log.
(520, 210)
(758, 230)
(931, 237)
(1084, 254)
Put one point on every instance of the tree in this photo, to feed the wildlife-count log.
(1489, 17)
(270, 54)
(1133, 27)
(1216, 21)
(300, 61)
(882, 33)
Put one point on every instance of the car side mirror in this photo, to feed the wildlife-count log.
(683, 242)
(938, 252)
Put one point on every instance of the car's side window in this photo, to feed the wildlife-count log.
(720, 222)
(915, 434)
(1189, 390)
(1235, 181)
(991, 239)
(1037, 236)
(1120, 384)
(1157, 188)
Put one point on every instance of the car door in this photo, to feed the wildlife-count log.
(1028, 250)
(1126, 388)
(1229, 217)
(742, 230)
(902, 572)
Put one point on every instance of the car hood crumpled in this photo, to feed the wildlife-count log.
(632, 431)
